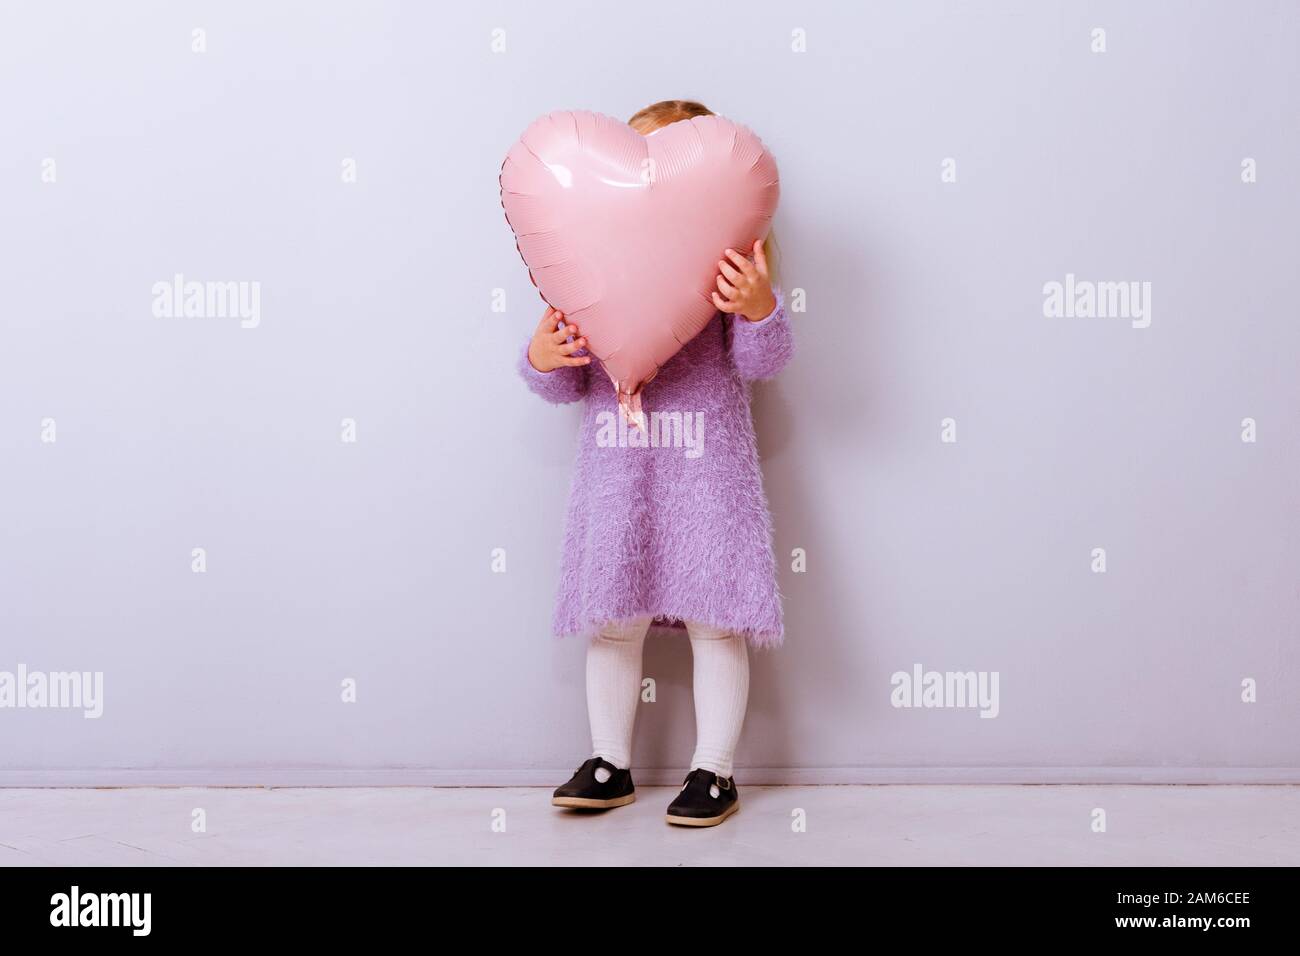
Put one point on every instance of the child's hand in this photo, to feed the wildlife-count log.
(550, 349)
(745, 287)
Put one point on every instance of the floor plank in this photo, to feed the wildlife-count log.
(846, 825)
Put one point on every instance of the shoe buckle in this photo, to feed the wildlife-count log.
(722, 782)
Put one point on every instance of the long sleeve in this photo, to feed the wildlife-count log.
(568, 383)
(761, 349)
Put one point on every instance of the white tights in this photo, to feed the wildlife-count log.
(614, 690)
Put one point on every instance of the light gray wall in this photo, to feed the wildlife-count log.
(371, 560)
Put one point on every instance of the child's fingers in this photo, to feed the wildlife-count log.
(550, 319)
(742, 263)
(559, 335)
(578, 360)
(760, 258)
(732, 275)
(722, 304)
(568, 348)
(726, 288)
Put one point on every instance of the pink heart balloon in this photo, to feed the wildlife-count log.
(623, 232)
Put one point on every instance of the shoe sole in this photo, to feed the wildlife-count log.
(702, 821)
(588, 803)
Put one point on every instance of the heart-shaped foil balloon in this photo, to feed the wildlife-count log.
(623, 232)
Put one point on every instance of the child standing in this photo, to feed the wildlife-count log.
(655, 533)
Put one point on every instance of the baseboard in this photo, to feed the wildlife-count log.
(751, 776)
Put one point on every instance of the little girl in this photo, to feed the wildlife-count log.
(654, 533)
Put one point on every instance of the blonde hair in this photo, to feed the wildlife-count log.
(658, 115)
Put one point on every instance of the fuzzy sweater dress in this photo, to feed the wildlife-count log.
(681, 531)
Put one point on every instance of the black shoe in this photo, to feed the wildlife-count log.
(585, 792)
(705, 800)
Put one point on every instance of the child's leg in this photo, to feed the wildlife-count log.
(614, 688)
(721, 693)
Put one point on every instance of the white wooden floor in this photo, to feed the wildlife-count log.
(879, 825)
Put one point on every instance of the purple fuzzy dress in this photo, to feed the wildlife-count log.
(677, 529)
